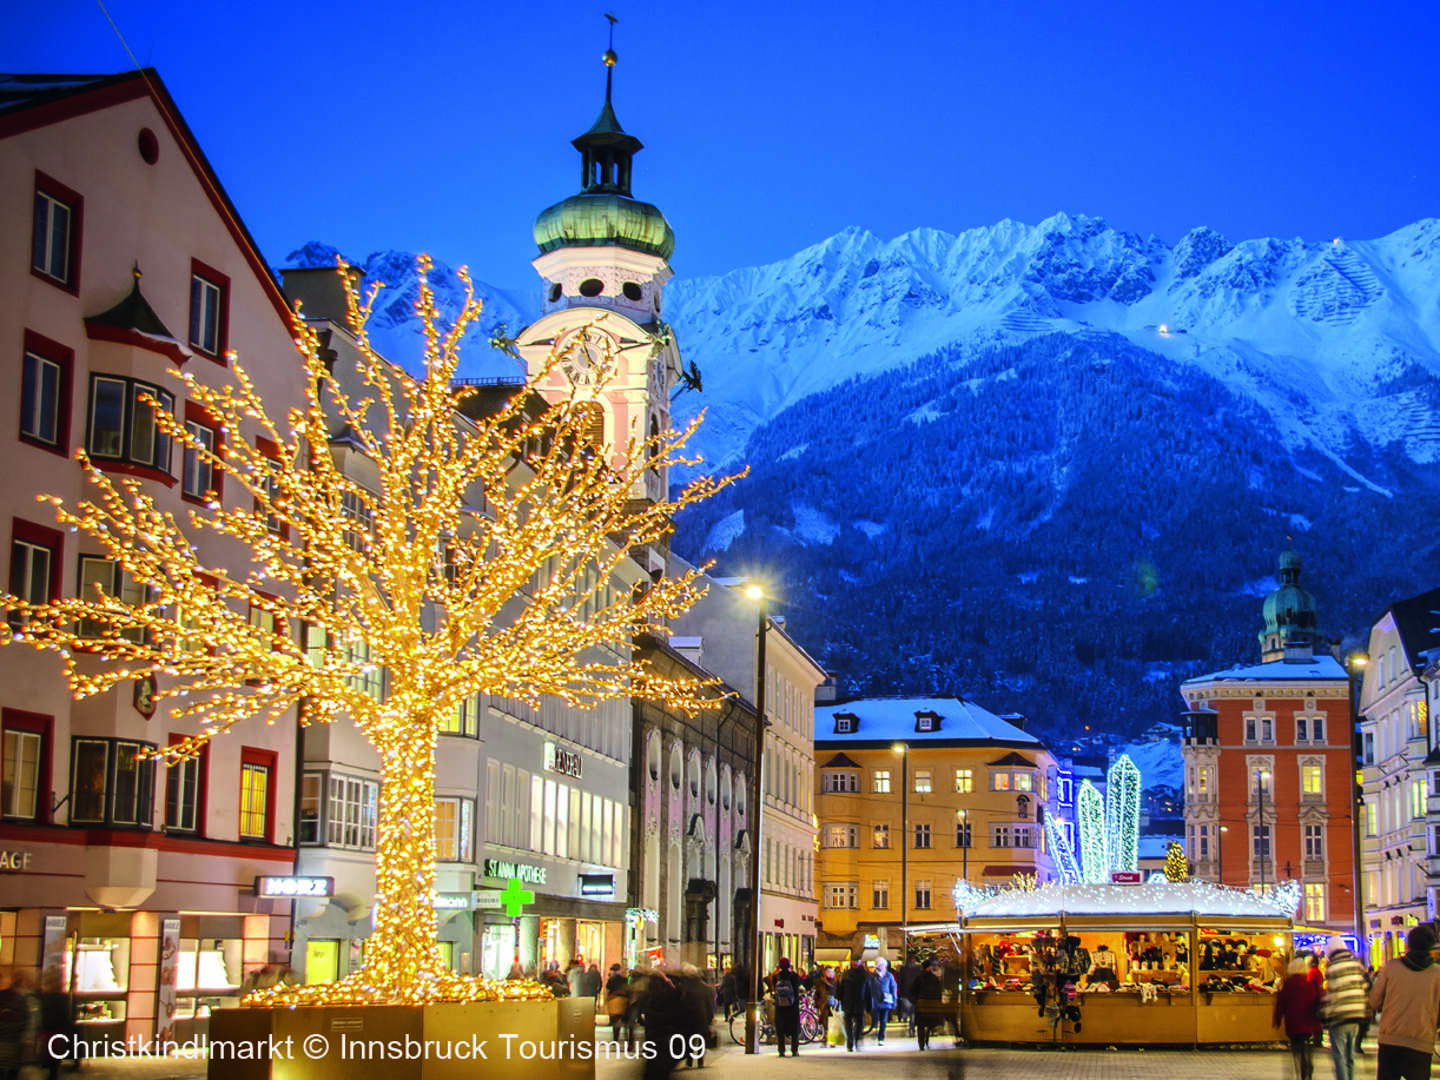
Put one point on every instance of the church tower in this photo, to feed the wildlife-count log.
(1292, 619)
(604, 263)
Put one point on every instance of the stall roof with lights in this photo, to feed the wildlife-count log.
(1169, 898)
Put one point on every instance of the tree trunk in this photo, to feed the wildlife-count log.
(402, 957)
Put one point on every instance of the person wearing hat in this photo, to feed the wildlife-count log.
(881, 996)
(785, 993)
(1406, 994)
(1345, 1007)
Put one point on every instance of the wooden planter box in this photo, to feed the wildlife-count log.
(405, 1042)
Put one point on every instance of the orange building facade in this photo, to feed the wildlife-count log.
(1269, 781)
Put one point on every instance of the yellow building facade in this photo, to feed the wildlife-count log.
(913, 795)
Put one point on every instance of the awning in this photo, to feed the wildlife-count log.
(832, 956)
(1007, 869)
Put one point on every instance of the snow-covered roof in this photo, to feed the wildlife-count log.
(1321, 667)
(1156, 846)
(884, 720)
(1170, 898)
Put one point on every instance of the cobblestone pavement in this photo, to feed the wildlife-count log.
(896, 1059)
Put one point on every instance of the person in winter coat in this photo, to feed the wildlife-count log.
(14, 1021)
(882, 995)
(823, 987)
(1406, 994)
(1297, 1006)
(851, 993)
(929, 1005)
(905, 980)
(785, 991)
(617, 1000)
(594, 981)
(1345, 1007)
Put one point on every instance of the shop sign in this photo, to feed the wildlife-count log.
(1126, 877)
(872, 941)
(488, 900)
(562, 761)
(451, 902)
(291, 887)
(15, 860)
(526, 872)
(145, 695)
(597, 884)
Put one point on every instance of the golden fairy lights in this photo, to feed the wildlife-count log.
(494, 555)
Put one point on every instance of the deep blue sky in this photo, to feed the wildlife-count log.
(770, 126)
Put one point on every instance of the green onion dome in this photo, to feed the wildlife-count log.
(605, 219)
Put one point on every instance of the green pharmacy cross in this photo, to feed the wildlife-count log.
(515, 897)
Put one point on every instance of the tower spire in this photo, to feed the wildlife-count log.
(609, 57)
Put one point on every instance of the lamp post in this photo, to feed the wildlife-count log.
(1220, 854)
(757, 811)
(903, 749)
(964, 816)
(1263, 837)
(1355, 667)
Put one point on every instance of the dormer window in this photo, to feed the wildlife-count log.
(846, 723)
(927, 721)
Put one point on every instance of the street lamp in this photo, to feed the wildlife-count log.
(964, 816)
(757, 805)
(1263, 837)
(903, 749)
(1220, 854)
(1355, 667)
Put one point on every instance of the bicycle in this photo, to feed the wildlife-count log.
(810, 1026)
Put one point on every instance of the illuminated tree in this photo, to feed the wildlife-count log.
(483, 559)
(1090, 824)
(1176, 867)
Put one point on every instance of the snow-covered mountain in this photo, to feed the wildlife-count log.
(1322, 335)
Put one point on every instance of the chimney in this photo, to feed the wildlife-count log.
(320, 291)
(1014, 718)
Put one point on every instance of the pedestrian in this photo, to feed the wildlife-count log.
(594, 982)
(929, 1004)
(851, 993)
(1406, 995)
(617, 1000)
(785, 992)
(1297, 1006)
(575, 978)
(516, 971)
(1344, 1007)
(905, 981)
(882, 995)
(697, 1014)
(14, 1020)
(728, 992)
(823, 987)
(57, 1025)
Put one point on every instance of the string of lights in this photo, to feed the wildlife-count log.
(317, 582)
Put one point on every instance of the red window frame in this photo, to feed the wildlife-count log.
(198, 414)
(48, 185)
(41, 536)
(222, 329)
(44, 726)
(64, 358)
(267, 759)
(202, 789)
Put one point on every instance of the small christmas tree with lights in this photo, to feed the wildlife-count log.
(484, 559)
(1176, 866)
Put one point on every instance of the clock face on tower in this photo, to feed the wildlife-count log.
(583, 356)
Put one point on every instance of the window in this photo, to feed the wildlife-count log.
(209, 310)
(846, 723)
(842, 836)
(1252, 728)
(110, 783)
(922, 781)
(1200, 842)
(257, 793)
(369, 676)
(453, 832)
(1372, 819)
(922, 837)
(964, 781)
(1368, 756)
(1024, 781)
(312, 804)
(962, 834)
(1267, 729)
(1260, 841)
(464, 719)
(353, 805)
(835, 781)
(98, 574)
(880, 782)
(1000, 836)
(1417, 799)
(265, 620)
(185, 791)
(840, 894)
(1202, 780)
(199, 479)
(1314, 842)
(922, 895)
(1312, 782)
(880, 836)
(123, 427)
(55, 241)
(1315, 901)
(1001, 781)
(880, 895)
(45, 381)
(927, 721)
(24, 766)
(34, 565)
(1317, 729)
(1024, 836)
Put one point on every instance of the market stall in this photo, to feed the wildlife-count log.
(1171, 963)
